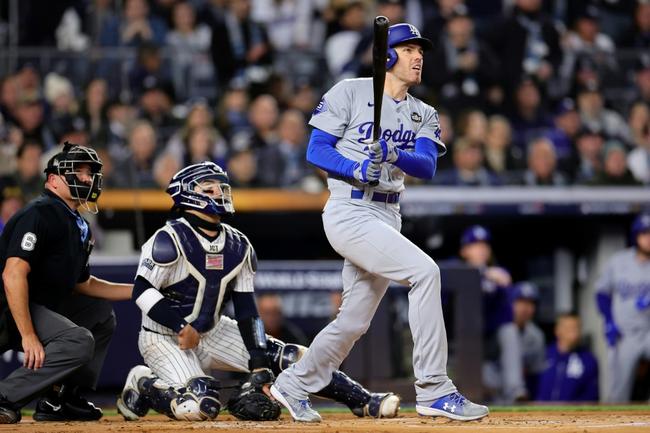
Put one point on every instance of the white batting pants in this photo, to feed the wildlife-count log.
(221, 348)
(367, 235)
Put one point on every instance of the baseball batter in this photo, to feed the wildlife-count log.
(362, 224)
(188, 270)
(623, 297)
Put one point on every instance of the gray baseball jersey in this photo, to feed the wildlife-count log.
(626, 279)
(366, 233)
(346, 111)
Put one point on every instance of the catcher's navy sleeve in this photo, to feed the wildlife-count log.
(422, 162)
(322, 153)
(155, 305)
(251, 328)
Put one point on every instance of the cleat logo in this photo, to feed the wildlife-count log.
(448, 408)
(55, 407)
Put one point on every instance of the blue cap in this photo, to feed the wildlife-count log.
(525, 290)
(475, 234)
(565, 106)
(640, 225)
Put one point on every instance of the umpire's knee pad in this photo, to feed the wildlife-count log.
(205, 390)
(281, 355)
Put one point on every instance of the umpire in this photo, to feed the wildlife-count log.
(49, 307)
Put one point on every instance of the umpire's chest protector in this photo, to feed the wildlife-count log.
(200, 295)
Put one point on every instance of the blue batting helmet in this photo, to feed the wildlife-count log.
(400, 34)
(182, 189)
(475, 234)
(640, 225)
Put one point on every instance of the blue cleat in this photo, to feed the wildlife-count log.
(300, 410)
(454, 406)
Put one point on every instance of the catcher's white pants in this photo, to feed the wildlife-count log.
(221, 348)
(367, 235)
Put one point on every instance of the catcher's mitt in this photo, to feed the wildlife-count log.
(250, 403)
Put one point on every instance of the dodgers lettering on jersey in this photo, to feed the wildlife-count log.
(347, 111)
(198, 281)
(626, 279)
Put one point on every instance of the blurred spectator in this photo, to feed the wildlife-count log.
(588, 54)
(500, 156)
(527, 43)
(435, 25)
(289, 22)
(642, 78)
(263, 118)
(270, 309)
(525, 296)
(204, 143)
(149, 71)
(164, 9)
(571, 373)
(361, 63)
(242, 169)
(472, 125)
(623, 299)
(594, 115)
(119, 116)
(615, 171)
(28, 175)
(135, 26)
(69, 32)
(165, 167)
(462, 67)
(135, 170)
(529, 118)
(36, 24)
(11, 200)
(94, 112)
(468, 167)
(192, 67)
(304, 98)
(563, 135)
(198, 116)
(284, 163)
(28, 80)
(9, 98)
(339, 47)
(589, 144)
(156, 107)
(59, 94)
(30, 118)
(639, 158)
(232, 117)
(639, 36)
(98, 12)
(542, 165)
(240, 46)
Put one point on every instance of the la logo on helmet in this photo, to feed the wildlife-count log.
(414, 31)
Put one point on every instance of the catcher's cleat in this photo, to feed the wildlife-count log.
(454, 406)
(381, 405)
(300, 410)
(8, 415)
(131, 404)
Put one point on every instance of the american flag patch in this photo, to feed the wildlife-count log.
(214, 261)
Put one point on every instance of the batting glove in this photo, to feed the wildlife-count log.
(612, 333)
(643, 302)
(366, 171)
(381, 151)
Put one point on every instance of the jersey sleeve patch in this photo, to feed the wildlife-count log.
(321, 107)
(164, 250)
(28, 242)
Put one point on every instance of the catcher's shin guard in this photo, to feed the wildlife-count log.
(361, 402)
(160, 397)
(206, 391)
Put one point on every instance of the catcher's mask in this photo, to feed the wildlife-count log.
(68, 163)
(202, 187)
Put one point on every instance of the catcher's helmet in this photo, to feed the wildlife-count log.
(640, 225)
(67, 162)
(182, 189)
(401, 34)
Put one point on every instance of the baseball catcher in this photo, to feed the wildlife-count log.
(188, 270)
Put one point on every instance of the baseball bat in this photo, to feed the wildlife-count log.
(379, 55)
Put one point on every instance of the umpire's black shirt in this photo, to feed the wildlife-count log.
(55, 241)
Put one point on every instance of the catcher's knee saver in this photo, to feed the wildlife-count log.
(281, 355)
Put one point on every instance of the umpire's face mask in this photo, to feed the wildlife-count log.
(85, 184)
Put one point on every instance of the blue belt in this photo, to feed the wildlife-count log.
(391, 197)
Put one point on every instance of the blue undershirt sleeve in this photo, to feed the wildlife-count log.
(322, 153)
(158, 308)
(421, 163)
(604, 301)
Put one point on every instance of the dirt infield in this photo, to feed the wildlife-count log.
(502, 422)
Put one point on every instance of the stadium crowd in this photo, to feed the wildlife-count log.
(529, 92)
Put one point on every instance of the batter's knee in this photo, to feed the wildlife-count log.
(428, 272)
